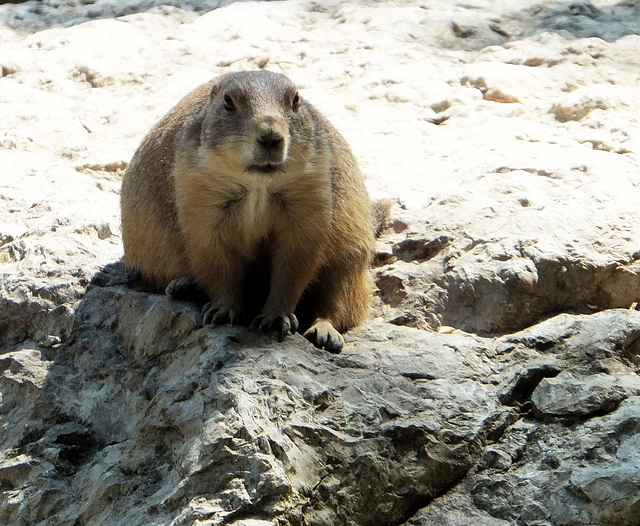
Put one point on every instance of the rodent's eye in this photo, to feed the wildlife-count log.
(229, 105)
(295, 102)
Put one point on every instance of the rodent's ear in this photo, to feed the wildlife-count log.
(295, 102)
(214, 91)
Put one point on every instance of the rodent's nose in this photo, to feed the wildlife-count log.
(270, 134)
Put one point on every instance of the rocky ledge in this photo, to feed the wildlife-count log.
(496, 382)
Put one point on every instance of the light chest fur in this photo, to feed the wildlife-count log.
(232, 206)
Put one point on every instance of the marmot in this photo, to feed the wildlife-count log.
(247, 190)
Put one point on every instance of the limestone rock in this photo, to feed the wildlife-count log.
(213, 424)
(568, 395)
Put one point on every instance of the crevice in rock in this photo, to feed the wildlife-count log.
(631, 351)
(540, 342)
(76, 446)
(522, 387)
(419, 503)
(572, 420)
(498, 425)
(420, 250)
(416, 375)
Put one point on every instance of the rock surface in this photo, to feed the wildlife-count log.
(507, 136)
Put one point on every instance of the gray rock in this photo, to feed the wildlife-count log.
(569, 395)
(212, 424)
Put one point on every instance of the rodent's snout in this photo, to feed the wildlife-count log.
(271, 144)
(270, 133)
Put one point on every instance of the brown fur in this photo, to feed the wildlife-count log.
(249, 190)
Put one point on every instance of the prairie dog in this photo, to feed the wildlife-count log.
(247, 190)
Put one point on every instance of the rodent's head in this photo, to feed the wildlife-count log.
(256, 121)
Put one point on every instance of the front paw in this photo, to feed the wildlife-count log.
(324, 335)
(281, 323)
(219, 314)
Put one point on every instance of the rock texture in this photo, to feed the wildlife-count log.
(497, 380)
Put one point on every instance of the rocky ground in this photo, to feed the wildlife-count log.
(497, 380)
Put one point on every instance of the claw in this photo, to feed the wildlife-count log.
(285, 327)
(281, 323)
(215, 315)
(294, 323)
(208, 312)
